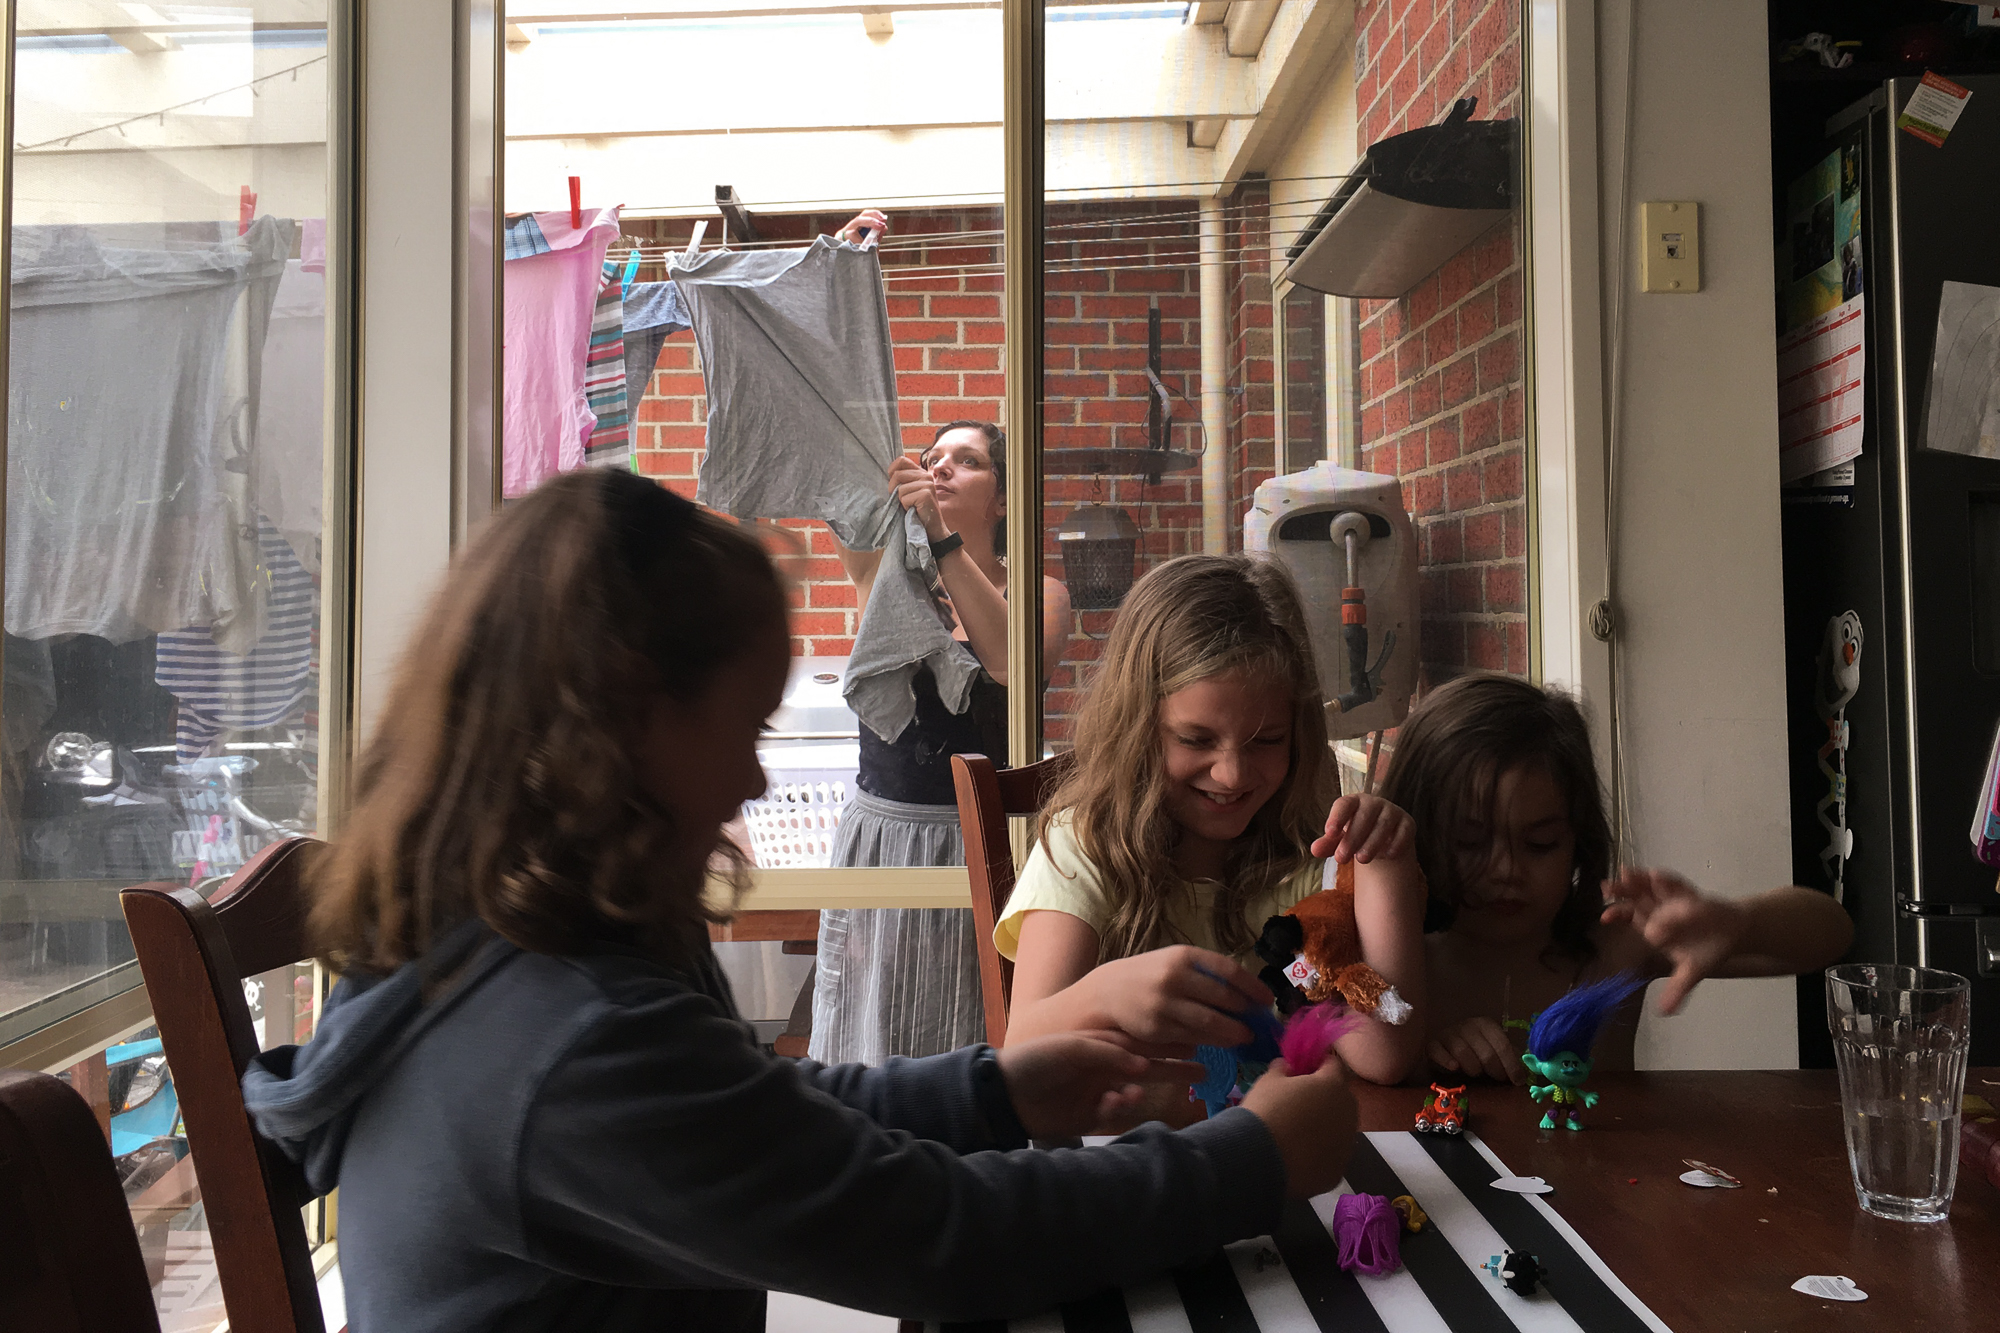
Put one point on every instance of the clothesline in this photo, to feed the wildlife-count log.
(847, 201)
(1082, 264)
(916, 240)
(660, 253)
(67, 139)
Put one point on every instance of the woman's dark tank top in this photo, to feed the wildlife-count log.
(915, 768)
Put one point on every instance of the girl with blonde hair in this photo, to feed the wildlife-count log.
(1201, 804)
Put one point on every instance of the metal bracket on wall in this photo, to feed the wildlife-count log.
(1602, 626)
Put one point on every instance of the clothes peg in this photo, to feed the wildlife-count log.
(576, 203)
(631, 272)
(246, 210)
(694, 240)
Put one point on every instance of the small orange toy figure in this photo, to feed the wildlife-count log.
(1443, 1113)
(1313, 954)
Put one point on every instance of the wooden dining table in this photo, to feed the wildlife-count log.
(1725, 1259)
(1701, 1260)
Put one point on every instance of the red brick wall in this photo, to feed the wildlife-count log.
(1253, 406)
(1441, 376)
(1106, 265)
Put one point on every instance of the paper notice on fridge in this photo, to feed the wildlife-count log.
(1962, 408)
(1934, 107)
(1819, 392)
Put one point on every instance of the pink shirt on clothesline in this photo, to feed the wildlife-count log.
(546, 418)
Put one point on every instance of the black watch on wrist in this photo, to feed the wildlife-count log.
(946, 544)
(996, 1106)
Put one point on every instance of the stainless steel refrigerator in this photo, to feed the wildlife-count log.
(1911, 544)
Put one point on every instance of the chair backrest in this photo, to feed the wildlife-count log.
(194, 954)
(69, 1259)
(986, 797)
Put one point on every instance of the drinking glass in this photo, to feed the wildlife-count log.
(1900, 1036)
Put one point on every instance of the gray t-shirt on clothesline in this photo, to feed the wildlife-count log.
(801, 385)
(132, 401)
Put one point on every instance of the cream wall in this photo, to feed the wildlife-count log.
(1699, 586)
(1305, 171)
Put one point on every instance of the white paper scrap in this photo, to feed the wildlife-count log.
(1709, 1182)
(1819, 391)
(1522, 1185)
(1830, 1288)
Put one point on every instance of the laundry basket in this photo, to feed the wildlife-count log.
(792, 825)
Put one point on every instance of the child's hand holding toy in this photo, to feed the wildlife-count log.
(1176, 998)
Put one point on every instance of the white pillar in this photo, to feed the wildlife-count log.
(1214, 384)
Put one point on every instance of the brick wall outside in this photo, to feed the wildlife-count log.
(1441, 388)
(1253, 406)
(1107, 264)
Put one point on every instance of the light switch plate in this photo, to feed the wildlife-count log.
(1670, 247)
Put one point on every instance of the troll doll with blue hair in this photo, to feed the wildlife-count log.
(1559, 1043)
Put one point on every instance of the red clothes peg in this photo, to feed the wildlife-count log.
(246, 210)
(576, 203)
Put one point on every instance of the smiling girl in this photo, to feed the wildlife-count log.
(1498, 774)
(1195, 813)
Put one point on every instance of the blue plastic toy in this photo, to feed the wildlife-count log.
(1225, 1063)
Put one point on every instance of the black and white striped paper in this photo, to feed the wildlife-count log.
(1291, 1282)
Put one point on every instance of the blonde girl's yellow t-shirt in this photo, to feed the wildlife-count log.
(1059, 878)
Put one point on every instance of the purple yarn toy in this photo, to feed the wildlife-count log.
(1368, 1231)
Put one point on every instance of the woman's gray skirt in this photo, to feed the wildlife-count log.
(895, 981)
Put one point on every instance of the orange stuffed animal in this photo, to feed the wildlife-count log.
(1313, 952)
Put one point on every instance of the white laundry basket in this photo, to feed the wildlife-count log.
(792, 825)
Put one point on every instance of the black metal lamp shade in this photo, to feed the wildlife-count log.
(1100, 550)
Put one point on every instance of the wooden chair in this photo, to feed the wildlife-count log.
(69, 1259)
(195, 954)
(986, 797)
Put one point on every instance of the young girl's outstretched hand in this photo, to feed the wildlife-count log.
(1073, 1082)
(1363, 828)
(1789, 929)
(1175, 998)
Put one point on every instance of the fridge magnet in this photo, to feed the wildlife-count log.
(1830, 1288)
(1838, 676)
(1934, 108)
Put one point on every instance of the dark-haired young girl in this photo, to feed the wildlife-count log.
(531, 1085)
(1498, 775)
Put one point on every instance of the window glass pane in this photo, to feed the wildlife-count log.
(796, 121)
(1230, 152)
(166, 463)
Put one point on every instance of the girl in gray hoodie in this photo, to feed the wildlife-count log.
(531, 1085)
